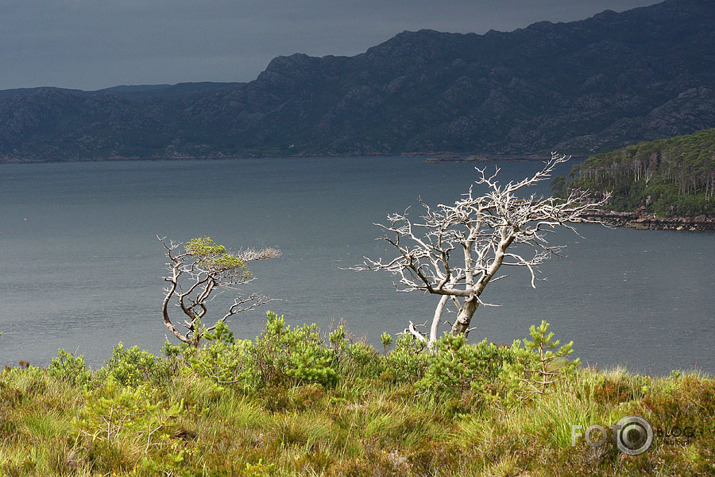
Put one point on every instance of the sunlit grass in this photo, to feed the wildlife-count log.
(368, 423)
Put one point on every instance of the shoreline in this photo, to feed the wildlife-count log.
(646, 221)
(427, 157)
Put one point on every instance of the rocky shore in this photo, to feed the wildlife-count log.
(645, 221)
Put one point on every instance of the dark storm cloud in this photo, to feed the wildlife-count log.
(91, 44)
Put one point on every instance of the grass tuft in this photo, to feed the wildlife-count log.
(345, 410)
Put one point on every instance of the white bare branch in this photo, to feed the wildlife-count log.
(456, 250)
(197, 274)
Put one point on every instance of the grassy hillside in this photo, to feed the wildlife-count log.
(670, 177)
(289, 403)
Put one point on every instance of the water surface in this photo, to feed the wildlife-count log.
(81, 268)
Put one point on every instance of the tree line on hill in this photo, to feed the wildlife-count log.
(668, 177)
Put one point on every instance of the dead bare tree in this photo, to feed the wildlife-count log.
(199, 268)
(455, 251)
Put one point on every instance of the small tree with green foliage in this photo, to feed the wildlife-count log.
(551, 362)
(197, 270)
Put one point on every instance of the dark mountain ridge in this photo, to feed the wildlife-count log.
(581, 87)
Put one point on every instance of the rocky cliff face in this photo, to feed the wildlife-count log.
(580, 87)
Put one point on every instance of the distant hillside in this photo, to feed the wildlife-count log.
(581, 87)
(669, 177)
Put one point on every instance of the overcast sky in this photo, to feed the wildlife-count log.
(93, 44)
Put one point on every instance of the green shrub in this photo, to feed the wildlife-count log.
(406, 363)
(354, 358)
(288, 357)
(386, 339)
(128, 428)
(338, 339)
(280, 357)
(456, 366)
(228, 363)
(133, 366)
(69, 368)
(361, 359)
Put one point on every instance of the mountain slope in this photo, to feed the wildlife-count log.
(605, 82)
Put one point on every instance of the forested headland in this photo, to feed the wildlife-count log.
(668, 178)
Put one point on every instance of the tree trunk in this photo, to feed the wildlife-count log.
(461, 324)
(434, 329)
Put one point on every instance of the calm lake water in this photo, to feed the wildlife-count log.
(81, 268)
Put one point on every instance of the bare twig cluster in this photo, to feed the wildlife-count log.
(456, 250)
